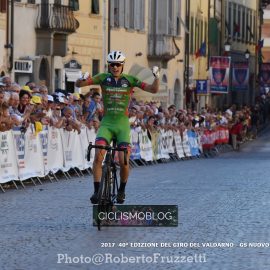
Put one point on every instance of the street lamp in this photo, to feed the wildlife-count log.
(247, 54)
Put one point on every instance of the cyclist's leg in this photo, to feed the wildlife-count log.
(103, 138)
(123, 141)
(124, 168)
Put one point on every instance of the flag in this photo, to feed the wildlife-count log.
(249, 30)
(227, 26)
(236, 28)
(201, 51)
(259, 46)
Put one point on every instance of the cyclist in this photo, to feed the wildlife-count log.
(116, 93)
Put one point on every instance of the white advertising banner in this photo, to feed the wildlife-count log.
(43, 136)
(185, 143)
(8, 164)
(163, 145)
(178, 144)
(55, 160)
(68, 148)
(145, 146)
(171, 148)
(29, 154)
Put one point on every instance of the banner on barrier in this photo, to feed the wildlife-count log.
(185, 144)
(193, 143)
(25, 155)
(8, 164)
(29, 153)
(43, 136)
(178, 144)
(145, 146)
(135, 146)
(55, 150)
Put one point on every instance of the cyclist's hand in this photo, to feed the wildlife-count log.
(155, 71)
(85, 76)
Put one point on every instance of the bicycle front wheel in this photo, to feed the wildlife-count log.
(104, 194)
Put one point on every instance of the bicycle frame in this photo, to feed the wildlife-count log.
(108, 184)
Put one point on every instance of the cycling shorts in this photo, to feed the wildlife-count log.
(117, 127)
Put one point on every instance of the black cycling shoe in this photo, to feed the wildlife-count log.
(94, 198)
(120, 198)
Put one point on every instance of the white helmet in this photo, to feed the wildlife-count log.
(116, 57)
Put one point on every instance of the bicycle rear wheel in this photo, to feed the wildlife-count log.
(104, 194)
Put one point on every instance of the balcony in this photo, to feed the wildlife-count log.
(57, 18)
(162, 47)
(54, 23)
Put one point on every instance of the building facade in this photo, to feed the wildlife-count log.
(150, 33)
(3, 11)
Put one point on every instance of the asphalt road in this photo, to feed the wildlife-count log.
(221, 200)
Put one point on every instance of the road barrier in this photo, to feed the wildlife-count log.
(28, 155)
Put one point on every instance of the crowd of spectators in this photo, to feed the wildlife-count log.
(31, 103)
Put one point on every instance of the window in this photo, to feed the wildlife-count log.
(74, 5)
(244, 25)
(31, 1)
(117, 13)
(228, 19)
(131, 14)
(127, 13)
(248, 25)
(254, 27)
(95, 6)
(192, 49)
(251, 22)
(3, 6)
(95, 67)
(234, 21)
(170, 18)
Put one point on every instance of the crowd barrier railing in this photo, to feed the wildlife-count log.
(27, 155)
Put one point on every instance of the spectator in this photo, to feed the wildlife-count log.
(94, 107)
(25, 97)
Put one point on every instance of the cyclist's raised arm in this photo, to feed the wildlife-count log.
(154, 87)
(88, 80)
(85, 80)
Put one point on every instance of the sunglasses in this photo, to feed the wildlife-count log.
(115, 64)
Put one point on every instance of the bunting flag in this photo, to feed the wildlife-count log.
(201, 51)
(227, 26)
(236, 28)
(249, 30)
(259, 46)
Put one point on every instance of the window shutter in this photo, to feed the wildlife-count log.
(137, 14)
(3, 6)
(151, 17)
(111, 13)
(121, 13)
(162, 15)
(142, 15)
(127, 14)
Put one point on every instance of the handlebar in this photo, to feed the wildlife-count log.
(107, 148)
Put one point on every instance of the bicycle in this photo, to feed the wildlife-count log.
(109, 183)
